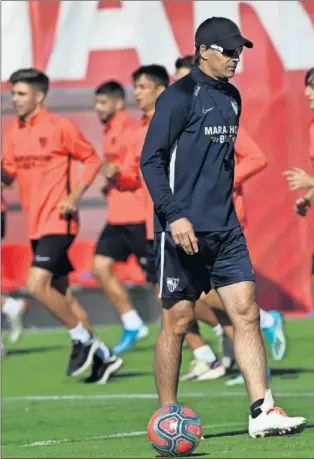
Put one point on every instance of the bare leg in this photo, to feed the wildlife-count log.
(118, 295)
(3, 300)
(213, 301)
(40, 286)
(79, 312)
(240, 303)
(204, 313)
(176, 319)
(193, 337)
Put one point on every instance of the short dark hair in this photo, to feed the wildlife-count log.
(197, 56)
(157, 73)
(111, 89)
(185, 61)
(309, 74)
(35, 78)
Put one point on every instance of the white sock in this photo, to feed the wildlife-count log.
(12, 307)
(205, 353)
(103, 352)
(218, 330)
(131, 320)
(266, 319)
(79, 334)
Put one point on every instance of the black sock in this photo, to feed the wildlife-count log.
(255, 408)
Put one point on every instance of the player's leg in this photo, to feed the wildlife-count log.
(234, 279)
(272, 324)
(14, 310)
(176, 319)
(79, 312)
(205, 365)
(105, 364)
(214, 303)
(112, 246)
(51, 261)
(181, 280)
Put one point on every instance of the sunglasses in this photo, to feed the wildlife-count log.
(228, 52)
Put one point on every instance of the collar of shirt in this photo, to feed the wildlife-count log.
(116, 120)
(33, 119)
(198, 75)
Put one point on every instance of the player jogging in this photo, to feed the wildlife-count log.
(39, 151)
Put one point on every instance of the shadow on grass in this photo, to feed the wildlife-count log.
(33, 350)
(235, 433)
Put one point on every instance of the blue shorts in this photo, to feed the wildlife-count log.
(223, 259)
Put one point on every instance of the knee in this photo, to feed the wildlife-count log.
(102, 267)
(247, 315)
(37, 285)
(180, 319)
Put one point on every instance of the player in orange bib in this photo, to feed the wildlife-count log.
(41, 150)
(299, 179)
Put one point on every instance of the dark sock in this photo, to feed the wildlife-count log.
(255, 408)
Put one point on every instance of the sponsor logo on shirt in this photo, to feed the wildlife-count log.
(32, 161)
(221, 134)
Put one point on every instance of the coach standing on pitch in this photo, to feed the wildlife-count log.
(188, 166)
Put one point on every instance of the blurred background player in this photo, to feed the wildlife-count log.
(149, 82)
(183, 66)
(39, 149)
(124, 232)
(249, 160)
(299, 179)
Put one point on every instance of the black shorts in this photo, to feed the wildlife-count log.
(223, 259)
(120, 241)
(3, 222)
(51, 254)
(313, 264)
(150, 270)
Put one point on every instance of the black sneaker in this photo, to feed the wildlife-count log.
(102, 371)
(82, 356)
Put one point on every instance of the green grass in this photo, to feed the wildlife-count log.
(82, 427)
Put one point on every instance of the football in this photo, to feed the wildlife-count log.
(174, 430)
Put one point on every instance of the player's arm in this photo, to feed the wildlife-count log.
(250, 158)
(168, 122)
(299, 179)
(129, 174)
(82, 150)
(8, 169)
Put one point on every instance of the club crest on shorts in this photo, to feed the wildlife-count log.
(172, 283)
(235, 107)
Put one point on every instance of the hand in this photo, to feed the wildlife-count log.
(299, 179)
(302, 205)
(183, 235)
(110, 170)
(105, 187)
(68, 206)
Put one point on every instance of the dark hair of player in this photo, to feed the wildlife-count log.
(111, 89)
(33, 77)
(157, 73)
(308, 76)
(185, 61)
